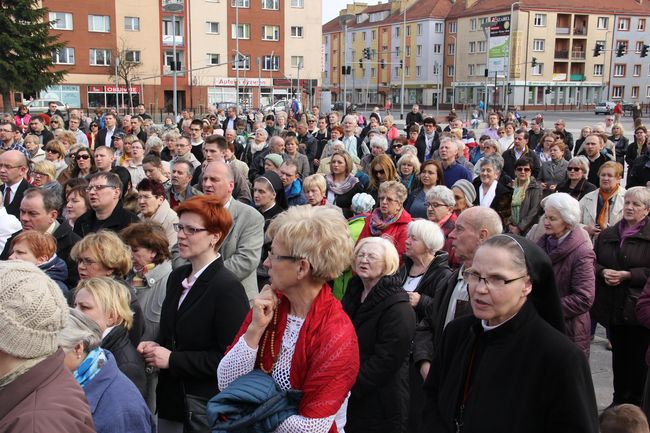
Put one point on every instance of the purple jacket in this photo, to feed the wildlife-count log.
(643, 313)
(573, 265)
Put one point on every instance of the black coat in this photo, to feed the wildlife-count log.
(385, 324)
(620, 147)
(14, 206)
(128, 359)
(639, 171)
(197, 333)
(100, 140)
(119, 219)
(510, 158)
(502, 202)
(524, 376)
(582, 188)
(344, 201)
(594, 166)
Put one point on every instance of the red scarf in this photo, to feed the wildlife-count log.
(325, 362)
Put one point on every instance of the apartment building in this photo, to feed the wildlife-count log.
(630, 73)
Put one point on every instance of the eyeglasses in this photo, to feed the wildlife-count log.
(436, 205)
(574, 169)
(39, 174)
(5, 130)
(523, 169)
(473, 278)
(188, 230)
(8, 167)
(85, 261)
(388, 199)
(91, 188)
(84, 156)
(51, 151)
(369, 257)
(274, 257)
(94, 126)
(382, 171)
(398, 145)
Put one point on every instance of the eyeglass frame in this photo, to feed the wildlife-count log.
(178, 227)
(469, 273)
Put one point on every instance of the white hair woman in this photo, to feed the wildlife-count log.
(576, 183)
(385, 324)
(573, 258)
(297, 331)
(440, 210)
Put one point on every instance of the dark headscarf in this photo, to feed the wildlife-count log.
(544, 294)
(275, 181)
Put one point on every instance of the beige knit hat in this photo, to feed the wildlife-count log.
(32, 311)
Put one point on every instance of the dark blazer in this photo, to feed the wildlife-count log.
(14, 206)
(100, 140)
(198, 333)
(119, 219)
(128, 359)
(509, 160)
(502, 202)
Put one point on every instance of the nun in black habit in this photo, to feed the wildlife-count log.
(510, 368)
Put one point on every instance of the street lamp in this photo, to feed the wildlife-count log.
(403, 63)
(343, 21)
(512, 9)
(453, 83)
(174, 8)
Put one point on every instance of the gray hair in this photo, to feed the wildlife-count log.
(262, 131)
(395, 186)
(172, 134)
(567, 206)
(442, 193)
(428, 232)
(496, 161)
(583, 162)
(80, 329)
(153, 141)
(51, 199)
(379, 140)
(493, 143)
(190, 167)
(640, 193)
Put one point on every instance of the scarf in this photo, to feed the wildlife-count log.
(625, 230)
(518, 196)
(378, 223)
(256, 147)
(24, 365)
(325, 362)
(604, 199)
(343, 188)
(90, 366)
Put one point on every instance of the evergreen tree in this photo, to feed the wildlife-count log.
(26, 48)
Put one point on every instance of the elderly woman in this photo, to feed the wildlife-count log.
(44, 174)
(576, 183)
(440, 210)
(464, 194)
(33, 146)
(408, 168)
(378, 146)
(76, 204)
(622, 270)
(526, 196)
(385, 324)
(203, 308)
(315, 189)
(431, 174)
(604, 207)
(391, 131)
(107, 389)
(342, 185)
(258, 144)
(106, 301)
(508, 366)
(40, 249)
(297, 331)
(170, 139)
(488, 147)
(554, 170)
(490, 192)
(389, 220)
(573, 259)
(153, 206)
(55, 152)
(620, 142)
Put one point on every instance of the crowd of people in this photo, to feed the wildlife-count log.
(179, 278)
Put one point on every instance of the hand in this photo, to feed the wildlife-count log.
(414, 298)
(425, 366)
(263, 308)
(614, 278)
(146, 346)
(157, 357)
(543, 185)
(552, 187)
(593, 230)
(514, 229)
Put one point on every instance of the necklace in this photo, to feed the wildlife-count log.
(269, 336)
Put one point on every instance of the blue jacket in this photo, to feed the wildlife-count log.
(294, 194)
(253, 403)
(57, 270)
(115, 402)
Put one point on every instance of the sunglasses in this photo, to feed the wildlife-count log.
(397, 145)
(574, 169)
(379, 171)
(94, 126)
(524, 169)
(51, 151)
(84, 157)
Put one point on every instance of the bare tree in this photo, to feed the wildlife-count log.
(128, 64)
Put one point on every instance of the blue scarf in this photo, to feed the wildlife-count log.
(90, 366)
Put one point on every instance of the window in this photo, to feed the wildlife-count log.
(418, 71)
(354, 36)
(538, 70)
(624, 24)
(374, 35)
(481, 46)
(436, 69)
(240, 3)
(602, 23)
(373, 72)
(171, 64)
(132, 56)
(472, 47)
(270, 33)
(397, 32)
(408, 71)
(450, 71)
(396, 71)
(99, 57)
(634, 93)
(242, 62)
(364, 35)
(63, 56)
(641, 25)
(639, 47)
(482, 21)
(538, 44)
(451, 49)
(243, 32)
(419, 29)
(598, 70)
(297, 31)
(540, 20)
(271, 63)
(452, 27)
(132, 24)
(472, 25)
(213, 59)
(168, 30)
(647, 92)
(471, 70)
(618, 92)
(418, 50)
(437, 48)
(297, 61)
(438, 27)
(625, 46)
(408, 30)
(99, 23)
(397, 52)
(297, 3)
(271, 4)
(408, 51)
(636, 71)
(61, 20)
(212, 27)
(619, 70)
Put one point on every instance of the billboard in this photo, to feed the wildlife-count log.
(499, 44)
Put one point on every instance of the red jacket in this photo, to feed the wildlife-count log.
(395, 232)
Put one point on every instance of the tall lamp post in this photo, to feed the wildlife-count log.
(403, 64)
(453, 83)
(512, 11)
(343, 20)
(174, 8)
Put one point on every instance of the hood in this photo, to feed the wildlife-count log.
(55, 268)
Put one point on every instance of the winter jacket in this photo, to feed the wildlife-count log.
(45, 399)
(304, 169)
(502, 202)
(639, 171)
(589, 206)
(127, 358)
(553, 172)
(118, 219)
(530, 209)
(643, 313)
(57, 270)
(620, 147)
(509, 159)
(582, 188)
(573, 263)
(395, 232)
(385, 323)
(294, 194)
(616, 304)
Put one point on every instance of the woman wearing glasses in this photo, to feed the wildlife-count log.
(576, 183)
(509, 367)
(203, 309)
(44, 175)
(382, 170)
(55, 153)
(83, 164)
(93, 129)
(526, 196)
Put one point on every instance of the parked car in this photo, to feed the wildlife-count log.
(40, 106)
(277, 106)
(606, 107)
(627, 107)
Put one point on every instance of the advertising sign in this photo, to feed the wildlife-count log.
(499, 43)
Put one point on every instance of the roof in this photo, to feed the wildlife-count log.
(482, 7)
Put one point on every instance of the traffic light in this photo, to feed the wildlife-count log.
(547, 91)
(620, 50)
(361, 63)
(509, 89)
(383, 64)
(644, 50)
(598, 49)
(366, 53)
(533, 63)
(349, 71)
(401, 64)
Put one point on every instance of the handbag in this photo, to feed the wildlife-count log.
(196, 418)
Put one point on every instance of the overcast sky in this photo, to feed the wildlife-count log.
(331, 8)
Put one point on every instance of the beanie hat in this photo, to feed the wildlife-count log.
(468, 190)
(32, 311)
(274, 158)
(362, 203)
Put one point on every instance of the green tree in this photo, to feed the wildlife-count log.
(26, 48)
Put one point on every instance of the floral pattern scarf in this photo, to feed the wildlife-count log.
(379, 223)
(518, 196)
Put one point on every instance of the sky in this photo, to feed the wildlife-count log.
(331, 8)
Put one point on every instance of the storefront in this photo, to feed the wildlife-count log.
(225, 90)
(69, 95)
(106, 96)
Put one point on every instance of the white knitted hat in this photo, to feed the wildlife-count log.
(32, 311)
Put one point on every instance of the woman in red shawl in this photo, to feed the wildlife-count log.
(297, 331)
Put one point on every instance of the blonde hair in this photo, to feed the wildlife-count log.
(45, 167)
(411, 159)
(315, 180)
(319, 235)
(111, 297)
(391, 256)
(67, 136)
(108, 249)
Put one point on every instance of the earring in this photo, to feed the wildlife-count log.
(78, 356)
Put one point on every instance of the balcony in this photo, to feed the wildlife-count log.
(168, 40)
(577, 55)
(562, 30)
(581, 31)
(561, 54)
(576, 77)
(559, 76)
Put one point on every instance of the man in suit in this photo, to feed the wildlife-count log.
(13, 169)
(105, 135)
(230, 122)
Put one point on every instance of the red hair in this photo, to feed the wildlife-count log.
(40, 244)
(216, 218)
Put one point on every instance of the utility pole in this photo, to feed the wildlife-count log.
(403, 62)
(117, 85)
(507, 80)
(238, 63)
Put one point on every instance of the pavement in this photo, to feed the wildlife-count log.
(600, 361)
